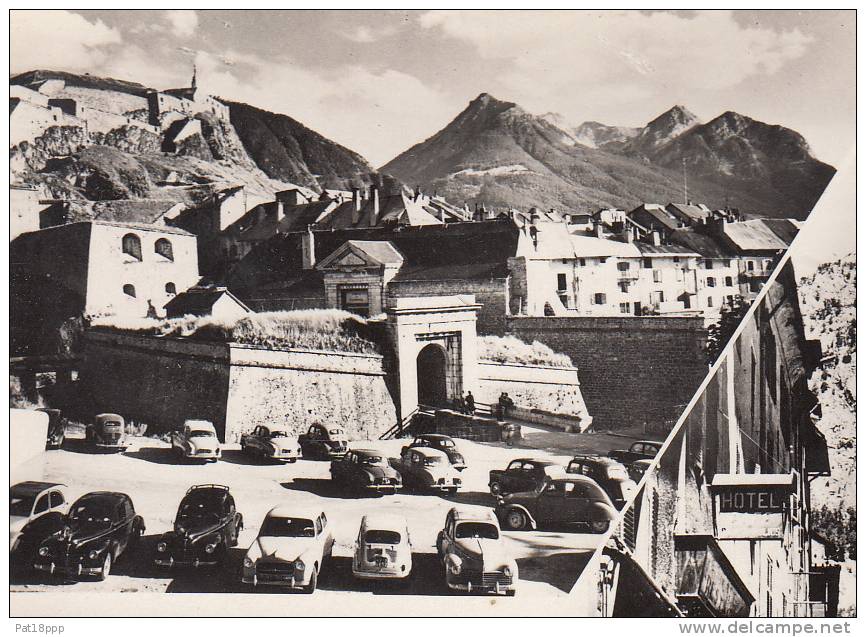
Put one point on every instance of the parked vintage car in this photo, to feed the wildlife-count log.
(425, 468)
(56, 428)
(611, 475)
(473, 553)
(637, 468)
(36, 511)
(99, 528)
(290, 550)
(383, 549)
(442, 443)
(366, 469)
(523, 474)
(107, 432)
(273, 444)
(640, 450)
(197, 440)
(324, 443)
(560, 501)
(207, 524)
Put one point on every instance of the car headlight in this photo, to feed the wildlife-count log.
(161, 547)
(43, 551)
(299, 566)
(248, 562)
(506, 571)
(455, 565)
(93, 555)
(210, 548)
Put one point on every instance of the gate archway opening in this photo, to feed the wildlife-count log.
(431, 370)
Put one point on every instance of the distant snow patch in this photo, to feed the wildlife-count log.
(511, 169)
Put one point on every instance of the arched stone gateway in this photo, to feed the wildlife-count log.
(432, 386)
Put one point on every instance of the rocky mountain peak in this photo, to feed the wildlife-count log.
(673, 122)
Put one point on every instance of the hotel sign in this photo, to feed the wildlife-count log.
(751, 506)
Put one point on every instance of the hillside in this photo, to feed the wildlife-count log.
(86, 159)
(497, 153)
(829, 303)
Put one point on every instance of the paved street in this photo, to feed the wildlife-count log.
(548, 561)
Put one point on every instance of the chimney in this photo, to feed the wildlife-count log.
(281, 211)
(308, 249)
(599, 230)
(374, 201)
(656, 238)
(626, 234)
(356, 205)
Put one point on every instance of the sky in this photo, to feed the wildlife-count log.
(381, 81)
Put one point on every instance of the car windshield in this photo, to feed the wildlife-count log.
(90, 515)
(20, 506)
(372, 460)
(111, 425)
(481, 530)
(376, 536)
(617, 473)
(279, 434)
(201, 433)
(287, 527)
(432, 460)
(196, 509)
(445, 443)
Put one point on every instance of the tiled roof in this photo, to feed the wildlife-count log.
(785, 229)
(753, 235)
(660, 215)
(669, 249)
(382, 251)
(691, 211)
(198, 301)
(591, 246)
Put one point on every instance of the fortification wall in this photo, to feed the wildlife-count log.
(107, 101)
(633, 370)
(163, 381)
(491, 294)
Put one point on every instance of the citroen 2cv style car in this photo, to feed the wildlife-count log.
(442, 443)
(365, 469)
(107, 432)
(383, 549)
(36, 511)
(290, 550)
(523, 474)
(323, 443)
(473, 553)
(99, 528)
(611, 475)
(575, 500)
(425, 468)
(207, 524)
(271, 444)
(56, 428)
(197, 440)
(640, 450)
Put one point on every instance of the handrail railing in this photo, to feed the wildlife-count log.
(399, 426)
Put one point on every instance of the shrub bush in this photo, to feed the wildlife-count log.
(508, 349)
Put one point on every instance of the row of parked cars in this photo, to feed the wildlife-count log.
(294, 543)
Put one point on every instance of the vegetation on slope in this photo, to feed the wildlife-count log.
(511, 350)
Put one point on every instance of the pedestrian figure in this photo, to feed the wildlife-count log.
(500, 408)
(151, 310)
(470, 403)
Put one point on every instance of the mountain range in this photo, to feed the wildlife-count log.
(497, 153)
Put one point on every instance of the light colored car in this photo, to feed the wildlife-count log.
(383, 549)
(428, 469)
(30, 506)
(290, 550)
(197, 440)
(474, 555)
(273, 444)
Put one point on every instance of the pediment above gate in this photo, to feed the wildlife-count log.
(360, 255)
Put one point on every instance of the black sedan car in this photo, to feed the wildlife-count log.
(99, 528)
(611, 475)
(207, 524)
(442, 443)
(366, 469)
(523, 474)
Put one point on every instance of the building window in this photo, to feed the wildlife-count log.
(600, 298)
(676, 259)
(581, 262)
(163, 248)
(657, 297)
(170, 288)
(355, 300)
(729, 281)
(625, 308)
(708, 264)
(709, 301)
(623, 266)
(623, 286)
(657, 276)
(647, 262)
(750, 266)
(561, 284)
(727, 263)
(711, 282)
(132, 246)
(129, 290)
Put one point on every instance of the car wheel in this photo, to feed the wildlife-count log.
(106, 567)
(600, 526)
(516, 520)
(495, 488)
(310, 588)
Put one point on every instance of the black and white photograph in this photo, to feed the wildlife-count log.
(432, 313)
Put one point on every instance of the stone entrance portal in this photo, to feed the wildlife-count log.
(432, 388)
(434, 341)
